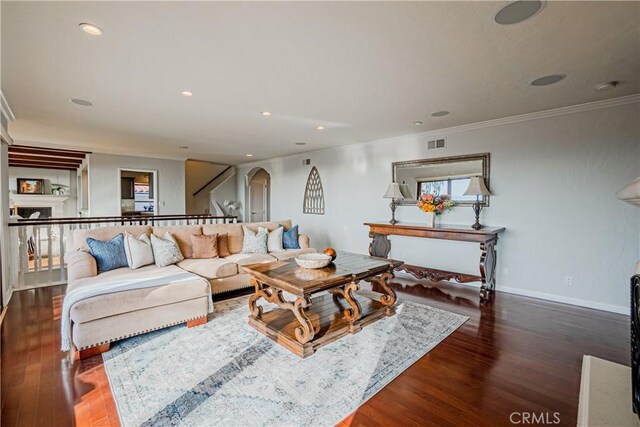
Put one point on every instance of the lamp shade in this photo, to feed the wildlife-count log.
(393, 191)
(477, 187)
(630, 193)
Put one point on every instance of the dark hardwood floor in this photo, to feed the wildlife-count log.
(515, 354)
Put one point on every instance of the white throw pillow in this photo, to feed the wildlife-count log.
(254, 243)
(166, 250)
(274, 240)
(138, 250)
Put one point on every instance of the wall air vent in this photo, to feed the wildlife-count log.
(306, 162)
(436, 143)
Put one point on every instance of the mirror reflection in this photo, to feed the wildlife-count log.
(444, 175)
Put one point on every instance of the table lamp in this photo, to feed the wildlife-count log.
(393, 193)
(477, 188)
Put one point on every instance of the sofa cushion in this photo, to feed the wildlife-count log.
(123, 302)
(182, 234)
(103, 233)
(233, 231)
(165, 251)
(291, 253)
(274, 240)
(138, 250)
(269, 225)
(211, 268)
(204, 247)
(223, 245)
(244, 259)
(109, 254)
(290, 239)
(254, 242)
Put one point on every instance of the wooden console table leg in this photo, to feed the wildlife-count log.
(380, 245)
(487, 268)
(389, 295)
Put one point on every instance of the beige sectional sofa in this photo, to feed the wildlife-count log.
(99, 320)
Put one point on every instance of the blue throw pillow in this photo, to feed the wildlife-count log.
(290, 238)
(109, 255)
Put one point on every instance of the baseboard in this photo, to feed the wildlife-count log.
(612, 308)
(566, 300)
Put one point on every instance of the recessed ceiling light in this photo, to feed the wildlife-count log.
(183, 147)
(518, 11)
(607, 86)
(417, 123)
(81, 102)
(91, 29)
(187, 93)
(301, 143)
(548, 80)
(320, 128)
(439, 113)
(249, 155)
(265, 113)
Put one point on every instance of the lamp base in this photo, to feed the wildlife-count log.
(476, 209)
(392, 205)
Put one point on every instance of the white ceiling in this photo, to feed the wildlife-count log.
(363, 70)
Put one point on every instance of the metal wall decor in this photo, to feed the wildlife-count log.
(313, 194)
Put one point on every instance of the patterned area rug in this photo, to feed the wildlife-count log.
(226, 373)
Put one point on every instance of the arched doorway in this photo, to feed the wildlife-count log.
(258, 196)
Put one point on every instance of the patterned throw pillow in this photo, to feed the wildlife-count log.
(109, 255)
(254, 243)
(138, 250)
(166, 250)
(274, 241)
(205, 247)
(290, 238)
(223, 245)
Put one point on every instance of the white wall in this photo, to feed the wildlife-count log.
(553, 181)
(197, 174)
(104, 183)
(50, 176)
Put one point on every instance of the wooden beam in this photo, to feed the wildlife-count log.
(13, 156)
(42, 166)
(44, 163)
(47, 152)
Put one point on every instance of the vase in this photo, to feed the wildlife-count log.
(431, 219)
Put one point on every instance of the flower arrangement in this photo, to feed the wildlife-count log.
(435, 204)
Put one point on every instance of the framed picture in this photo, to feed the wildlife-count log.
(30, 186)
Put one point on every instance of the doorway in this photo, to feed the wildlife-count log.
(138, 192)
(258, 205)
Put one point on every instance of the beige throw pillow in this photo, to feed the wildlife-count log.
(166, 250)
(204, 247)
(138, 250)
(274, 241)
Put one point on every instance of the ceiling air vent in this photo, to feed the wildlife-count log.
(436, 143)
(306, 162)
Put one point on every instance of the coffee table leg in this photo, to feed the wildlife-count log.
(388, 297)
(304, 332)
(355, 312)
(259, 292)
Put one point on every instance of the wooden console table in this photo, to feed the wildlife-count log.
(487, 237)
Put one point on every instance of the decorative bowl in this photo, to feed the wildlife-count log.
(313, 260)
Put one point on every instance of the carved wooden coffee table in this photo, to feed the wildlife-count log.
(325, 304)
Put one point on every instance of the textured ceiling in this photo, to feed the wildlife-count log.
(363, 70)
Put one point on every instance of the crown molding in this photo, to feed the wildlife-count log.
(571, 109)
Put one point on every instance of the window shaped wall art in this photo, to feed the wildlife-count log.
(313, 194)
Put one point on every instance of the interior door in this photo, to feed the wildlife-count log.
(258, 200)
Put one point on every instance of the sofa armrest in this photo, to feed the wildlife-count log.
(80, 264)
(303, 241)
